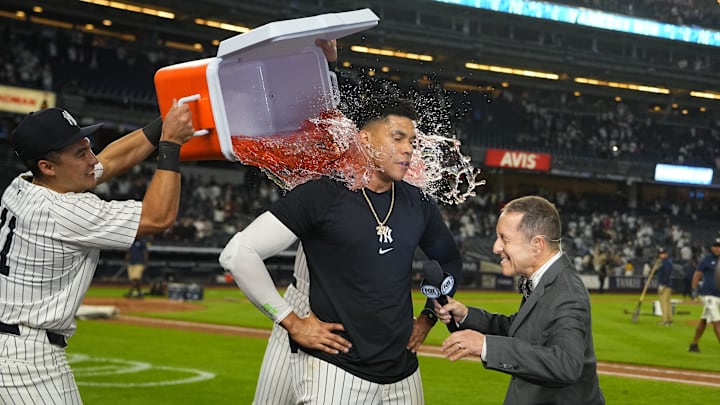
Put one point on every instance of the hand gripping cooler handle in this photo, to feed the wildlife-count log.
(194, 97)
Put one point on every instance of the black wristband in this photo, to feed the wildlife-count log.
(153, 130)
(169, 156)
(430, 314)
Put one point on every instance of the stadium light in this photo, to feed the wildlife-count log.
(17, 15)
(391, 53)
(705, 94)
(132, 8)
(52, 23)
(513, 71)
(620, 85)
(221, 25)
(196, 47)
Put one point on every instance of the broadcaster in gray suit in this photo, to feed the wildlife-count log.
(547, 345)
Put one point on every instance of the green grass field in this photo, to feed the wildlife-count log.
(123, 364)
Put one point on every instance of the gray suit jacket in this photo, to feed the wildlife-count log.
(547, 346)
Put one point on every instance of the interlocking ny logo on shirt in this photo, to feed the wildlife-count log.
(383, 251)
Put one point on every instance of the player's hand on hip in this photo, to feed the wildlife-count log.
(312, 333)
(177, 125)
(421, 328)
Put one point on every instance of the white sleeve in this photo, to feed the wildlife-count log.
(243, 257)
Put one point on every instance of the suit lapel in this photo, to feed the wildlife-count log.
(527, 306)
(547, 279)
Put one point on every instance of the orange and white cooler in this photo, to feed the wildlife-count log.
(266, 81)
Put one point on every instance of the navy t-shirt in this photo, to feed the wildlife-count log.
(359, 280)
(137, 252)
(707, 267)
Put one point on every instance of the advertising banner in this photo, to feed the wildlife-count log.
(22, 101)
(514, 159)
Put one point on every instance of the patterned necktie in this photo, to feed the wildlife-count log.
(525, 287)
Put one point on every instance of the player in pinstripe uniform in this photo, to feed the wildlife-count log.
(275, 382)
(358, 343)
(52, 231)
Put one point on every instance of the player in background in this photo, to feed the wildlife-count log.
(663, 274)
(709, 294)
(52, 231)
(136, 259)
(358, 343)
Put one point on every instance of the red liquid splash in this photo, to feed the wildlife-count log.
(324, 146)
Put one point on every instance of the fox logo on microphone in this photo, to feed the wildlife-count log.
(430, 291)
(447, 285)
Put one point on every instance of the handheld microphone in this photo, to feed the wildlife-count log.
(437, 287)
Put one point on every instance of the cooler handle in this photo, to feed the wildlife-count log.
(187, 99)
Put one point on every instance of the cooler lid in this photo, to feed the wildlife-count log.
(281, 37)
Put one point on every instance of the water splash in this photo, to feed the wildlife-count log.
(324, 146)
(328, 146)
(438, 166)
(448, 175)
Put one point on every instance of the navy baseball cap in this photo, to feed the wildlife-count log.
(47, 130)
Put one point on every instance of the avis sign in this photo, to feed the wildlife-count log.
(515, 159)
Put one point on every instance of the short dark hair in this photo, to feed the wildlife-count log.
(32, 163)
(377, 108)
(540, 217)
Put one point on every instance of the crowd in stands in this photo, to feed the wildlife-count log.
(213, 208)
(101, 68)
(109, 70)
(564, 124)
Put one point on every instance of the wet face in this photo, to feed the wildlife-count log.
(71, 169)
(515, 251)
(391, 141)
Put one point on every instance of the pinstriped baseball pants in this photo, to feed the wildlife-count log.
(34, 371)
(275, 383)
(321, 383)
(278, 379)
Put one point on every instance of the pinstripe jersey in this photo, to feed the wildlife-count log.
(50, 244)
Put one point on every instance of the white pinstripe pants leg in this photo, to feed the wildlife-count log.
(32, 371)
(275, 383)
(321, 383)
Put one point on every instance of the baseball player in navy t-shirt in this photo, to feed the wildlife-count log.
(52, 231)
(358, 342)
(709, 294)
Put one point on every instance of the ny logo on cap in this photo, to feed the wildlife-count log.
(69, 118)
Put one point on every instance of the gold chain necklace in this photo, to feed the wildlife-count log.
(382, 229)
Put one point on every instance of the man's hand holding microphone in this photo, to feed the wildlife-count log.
(438, 286)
